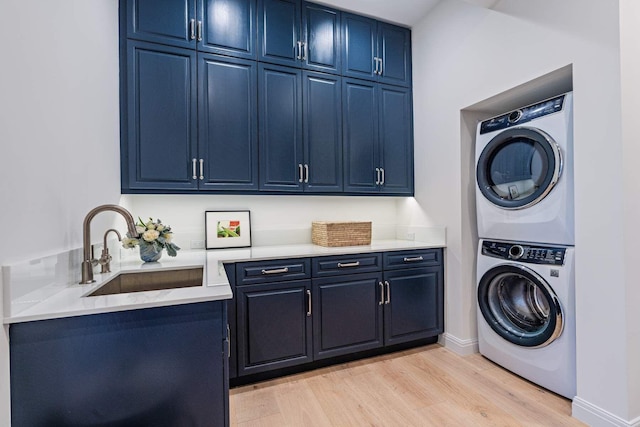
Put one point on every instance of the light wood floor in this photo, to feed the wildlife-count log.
(426, 386)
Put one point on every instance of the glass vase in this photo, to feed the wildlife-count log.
(149, 253)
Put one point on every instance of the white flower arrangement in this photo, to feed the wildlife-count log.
(152, 233)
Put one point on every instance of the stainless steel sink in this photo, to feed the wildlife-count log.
(151, 281)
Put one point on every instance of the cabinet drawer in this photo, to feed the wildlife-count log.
(346, 264)
(272, 271)
(414, 258)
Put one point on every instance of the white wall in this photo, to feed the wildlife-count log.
(465, 54)
(58, 128)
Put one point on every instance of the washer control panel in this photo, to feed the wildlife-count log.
(522, 115)
(523, 252)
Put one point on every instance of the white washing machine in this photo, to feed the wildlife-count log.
(526, 315)
(524, 174)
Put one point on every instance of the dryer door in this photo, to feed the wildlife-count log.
(520, 306)
(518, 167)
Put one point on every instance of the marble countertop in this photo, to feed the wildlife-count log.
(47, 288)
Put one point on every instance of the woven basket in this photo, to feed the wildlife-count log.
(340, 233)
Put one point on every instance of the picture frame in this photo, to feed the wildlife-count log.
(227, 229)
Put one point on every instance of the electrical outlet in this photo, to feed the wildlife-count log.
(197, 244)
(411, 236)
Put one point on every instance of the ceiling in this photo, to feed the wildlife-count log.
(405, 12)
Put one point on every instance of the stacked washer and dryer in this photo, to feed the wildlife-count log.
(525, 267)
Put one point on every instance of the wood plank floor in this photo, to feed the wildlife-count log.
(425, 386)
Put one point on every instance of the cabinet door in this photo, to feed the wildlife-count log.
(321, 28)
(413, 304)
(322, 118)
(274, 326)
(360, 122)
(228, 123)
(347, 314)
(359, 46)
(396, 140)
(280, 95)
(279, 31)
(161, 21)
(161, 118)
(394, 48)
(229, 27)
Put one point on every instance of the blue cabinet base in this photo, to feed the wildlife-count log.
(157, 367)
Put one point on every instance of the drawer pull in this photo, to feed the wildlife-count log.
(276, 271)
(309, 298)
(414, 259)
(349, 264)
(381, 293)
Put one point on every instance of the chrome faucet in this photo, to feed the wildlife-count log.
(105, 257)
(87, 257)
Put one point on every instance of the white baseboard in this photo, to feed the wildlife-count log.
(459, 346)
(598, 417)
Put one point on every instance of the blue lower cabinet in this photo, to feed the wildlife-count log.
(274, 326)
(347, 316)
(413, 304)
(164, 366)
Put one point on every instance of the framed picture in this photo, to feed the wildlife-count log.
(227, 229)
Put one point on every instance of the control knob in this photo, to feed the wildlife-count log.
(516, 251)
(515, 116)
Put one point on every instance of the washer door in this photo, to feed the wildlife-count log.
(518, 167)
(520, 306)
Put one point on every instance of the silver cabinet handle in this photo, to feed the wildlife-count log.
(276, 271)
(304, 51)
(228, 342)
(193, 168)
(388, 292)
(377, 176)
(201, 169)
(199, 31)
(380, 69)
(381, 294)
(306, 173)
(309, 301)
(299, 55)
(414, 259)
(382, 175)
(349, 264)
(192, 29)
(300, 173)
(375, 63)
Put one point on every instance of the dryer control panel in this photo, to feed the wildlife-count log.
(522, 115)
(523, 252)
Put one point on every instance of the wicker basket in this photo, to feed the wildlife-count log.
(340, 233)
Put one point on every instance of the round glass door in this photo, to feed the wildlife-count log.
(520, 306)
(518, 167)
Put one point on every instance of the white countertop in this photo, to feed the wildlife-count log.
(52, 290)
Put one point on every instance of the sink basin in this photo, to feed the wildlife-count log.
(150, 281)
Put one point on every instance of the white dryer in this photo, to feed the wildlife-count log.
(524, 174)
(526, 315)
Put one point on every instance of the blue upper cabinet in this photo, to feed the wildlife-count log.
(161, 118)
(218, 26)
(322, 130)
(228, 27)
(321, 38)
(227, 123)
(280, 95)
(299, 34)
(279, 32)
(375, 50)
(171, 22)
(378, 138)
